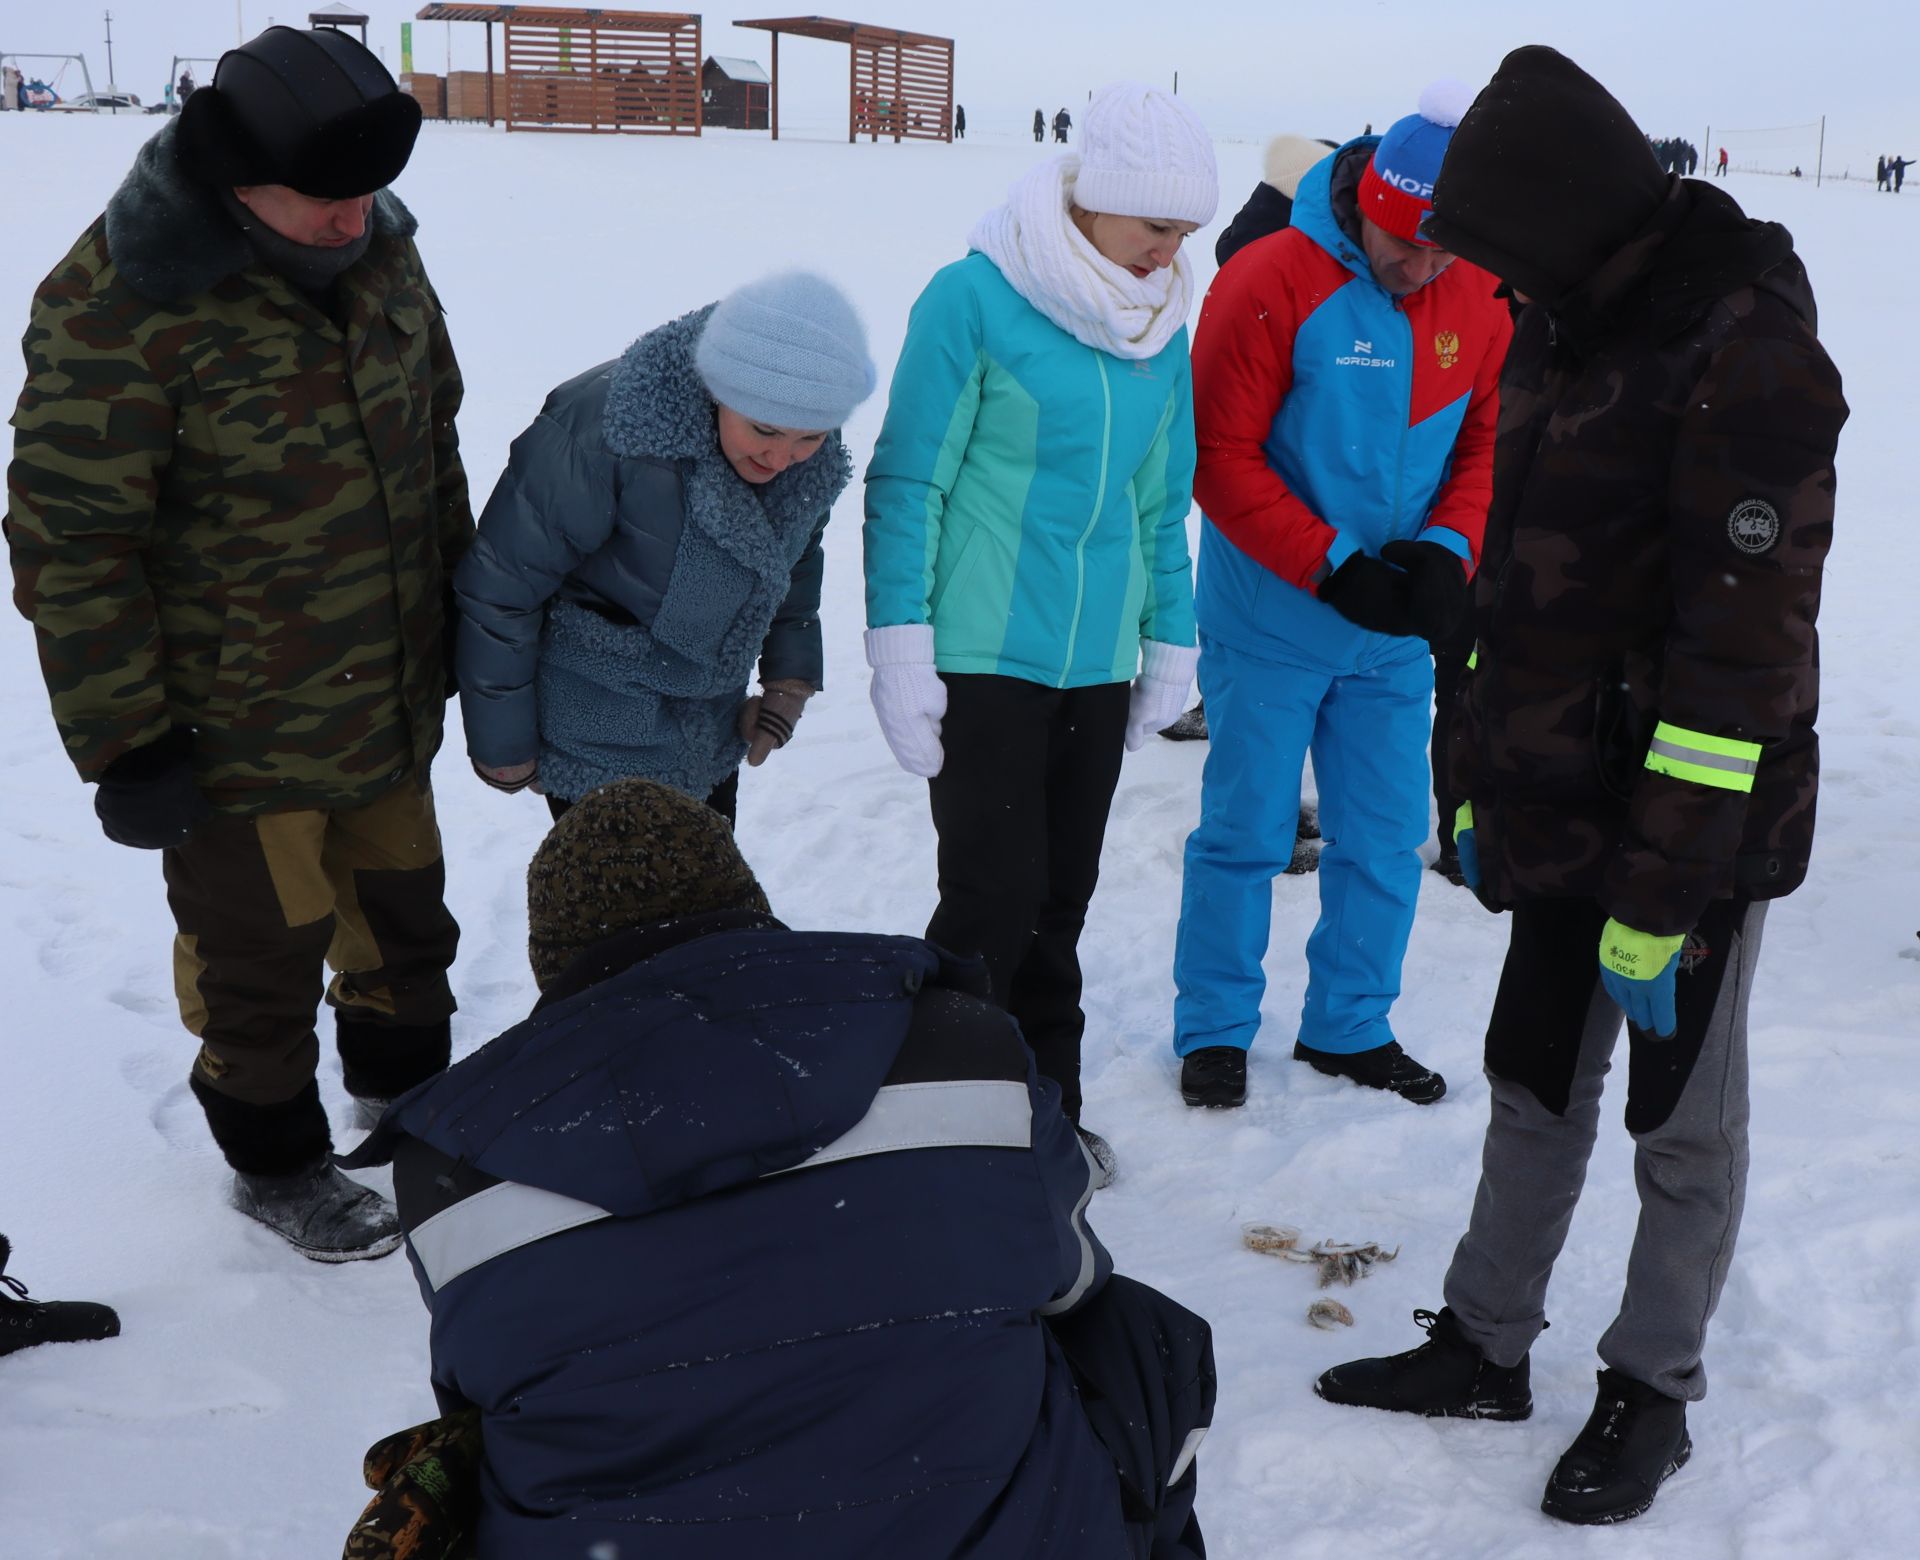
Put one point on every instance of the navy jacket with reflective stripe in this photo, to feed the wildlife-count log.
(848, 1359)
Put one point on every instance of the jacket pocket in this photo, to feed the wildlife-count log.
(235, 676)
(1622, 732)
(959, 579)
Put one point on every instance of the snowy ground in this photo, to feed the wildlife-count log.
(229, 1419)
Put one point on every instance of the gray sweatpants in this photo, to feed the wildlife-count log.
(1689, 1126)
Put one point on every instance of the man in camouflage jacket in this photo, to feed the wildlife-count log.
(1636, 738)
(235, 503)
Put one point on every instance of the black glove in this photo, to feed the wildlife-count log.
(1439, 591)
(1372, 594)
(147, 798)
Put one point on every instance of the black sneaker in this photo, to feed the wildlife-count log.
(1447, 864)
(1633, 1442)
(1100, 1151)
(25, 1322)
(1190, 727)
(1384, 1067)
(1445, 1378)
(1214, 1076)
(321, 1213)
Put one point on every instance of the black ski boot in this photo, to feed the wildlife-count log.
(1633, 1441)
(25, 1322)
(1190, 727)
(1445, 1378)
(1100, 1151)
(1384, 1067)
(320, 1212)
(1214, 1076)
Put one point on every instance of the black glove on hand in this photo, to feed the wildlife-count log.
(1372, 594)
(1439, 586)
(147, 798)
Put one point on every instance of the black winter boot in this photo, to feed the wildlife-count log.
(1190, 727)
(25, 1322)
(1384, 1067)
(320, 1212)
(1214, 1076)
(1445, 1378)
(1633, 1441)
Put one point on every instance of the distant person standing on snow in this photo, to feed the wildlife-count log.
(1029, 592)
(1693, 158)
(654, 538)
(1062, 123)
(233, 517)
(1880, 174)
(1039, 125)
(959, 122)
(1897, 170)
(1636, 743)
(187, 85)
(1720, 171)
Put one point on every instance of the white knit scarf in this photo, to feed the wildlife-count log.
(1050, 263)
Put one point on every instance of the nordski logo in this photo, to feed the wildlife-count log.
(1362, 357)
(1363, 346)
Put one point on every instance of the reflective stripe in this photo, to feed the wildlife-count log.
(934, 1115)
(1187, 1451)
(1725, 763)
(481, 1227)
(1473, 658)
(1083, 1280)
(995, 1114)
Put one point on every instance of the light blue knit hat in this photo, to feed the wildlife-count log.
(788, 351)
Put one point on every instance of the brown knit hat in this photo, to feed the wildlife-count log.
(633, 853)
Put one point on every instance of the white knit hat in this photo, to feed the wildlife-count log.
(1144, 153)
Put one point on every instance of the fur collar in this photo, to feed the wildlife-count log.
(172, 241)
(658, 407)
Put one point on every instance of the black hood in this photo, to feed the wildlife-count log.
(1546, 177)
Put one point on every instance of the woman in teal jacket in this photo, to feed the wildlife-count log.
(1029, 591)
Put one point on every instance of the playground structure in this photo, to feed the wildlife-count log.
(631, 72)
(899, 84)
(32, 79)
(199, 80)
(341, 17)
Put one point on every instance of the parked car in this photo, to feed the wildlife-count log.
(106, 102)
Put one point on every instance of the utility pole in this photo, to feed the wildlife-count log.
(113, 92)
(239, 24)
(1820, 166)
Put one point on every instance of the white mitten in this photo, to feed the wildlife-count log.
(1160, 691)
(908, 695)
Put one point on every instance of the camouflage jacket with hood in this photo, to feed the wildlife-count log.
(231, 511)
(1638, 725)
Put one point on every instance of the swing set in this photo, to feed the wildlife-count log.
(35, 89)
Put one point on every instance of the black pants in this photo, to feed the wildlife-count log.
(1449, 666)
(724, 799)
(1020, 806)
(1144, 1365)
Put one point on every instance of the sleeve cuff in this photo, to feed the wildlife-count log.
(1452, 540)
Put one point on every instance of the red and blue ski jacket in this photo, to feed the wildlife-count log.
(1332, 417)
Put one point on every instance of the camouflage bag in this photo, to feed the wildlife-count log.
(427, 1493)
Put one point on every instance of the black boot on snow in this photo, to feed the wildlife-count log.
(1214, 1076)
(25, 1322)
(1445, 1378)
(1634, 1439)
(1384, 1067)
(1190, 727)
(321, 1213)
(1100, 1151)
(1447, 864)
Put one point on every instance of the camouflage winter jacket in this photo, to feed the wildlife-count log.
(228, 511)
(1638, 725)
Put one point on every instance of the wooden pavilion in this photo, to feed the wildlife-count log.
(899, 84)
(567, 68)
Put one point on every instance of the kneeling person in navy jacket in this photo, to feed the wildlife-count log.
(754, 1242)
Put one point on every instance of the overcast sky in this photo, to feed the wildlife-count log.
(1252, 67)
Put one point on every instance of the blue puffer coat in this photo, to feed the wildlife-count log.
(626, 578)
(742, 1244)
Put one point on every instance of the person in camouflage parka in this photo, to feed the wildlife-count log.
(234, 506)
(1635, 741)
(229, 512)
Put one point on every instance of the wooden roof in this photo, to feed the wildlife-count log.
(558, 16)
(834, 31)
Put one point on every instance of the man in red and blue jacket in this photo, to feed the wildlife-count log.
(1345, 395)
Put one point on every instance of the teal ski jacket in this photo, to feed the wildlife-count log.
(1028, 494)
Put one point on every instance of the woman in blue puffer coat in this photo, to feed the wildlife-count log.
(657, 531)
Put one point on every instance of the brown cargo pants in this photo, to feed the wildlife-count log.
(262, 903)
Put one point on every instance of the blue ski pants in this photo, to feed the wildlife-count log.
(1368, 731)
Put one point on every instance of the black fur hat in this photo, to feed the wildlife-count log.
(315, 111)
